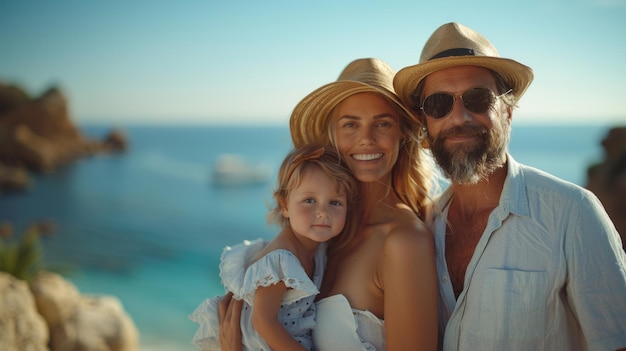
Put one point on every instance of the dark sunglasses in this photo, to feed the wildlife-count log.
(476, 100)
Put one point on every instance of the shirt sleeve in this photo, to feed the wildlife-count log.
(596, 265)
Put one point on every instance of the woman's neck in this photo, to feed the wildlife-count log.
(375, 195)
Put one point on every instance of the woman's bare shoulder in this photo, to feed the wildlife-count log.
(407, 222)
(408, 231)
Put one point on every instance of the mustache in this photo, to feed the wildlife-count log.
(463, 131)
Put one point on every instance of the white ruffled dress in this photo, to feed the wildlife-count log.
(242, 276)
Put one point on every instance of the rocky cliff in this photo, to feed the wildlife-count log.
(607, 179)
(38, 135)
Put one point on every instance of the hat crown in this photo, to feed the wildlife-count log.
(309, 121)
(454, 44)
(455, 39)
(370, 71)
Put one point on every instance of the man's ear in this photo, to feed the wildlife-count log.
(509, 112)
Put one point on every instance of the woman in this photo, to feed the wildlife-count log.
(380, 288)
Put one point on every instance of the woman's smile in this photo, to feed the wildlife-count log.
(367, 157)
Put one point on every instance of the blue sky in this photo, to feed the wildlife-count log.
(226, 62)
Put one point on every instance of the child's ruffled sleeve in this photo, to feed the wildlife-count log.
(278, 266)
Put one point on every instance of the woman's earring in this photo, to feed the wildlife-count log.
(423, 132)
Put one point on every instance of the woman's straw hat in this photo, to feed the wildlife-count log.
(454, 44)
(309, 119)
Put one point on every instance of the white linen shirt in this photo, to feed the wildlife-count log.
(549, 272)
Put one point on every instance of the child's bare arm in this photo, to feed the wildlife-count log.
(267, 301)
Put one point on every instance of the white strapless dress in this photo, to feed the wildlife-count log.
(340, 327)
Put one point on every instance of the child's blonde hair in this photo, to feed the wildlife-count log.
(328, 161)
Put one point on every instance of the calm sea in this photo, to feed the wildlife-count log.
(148, 226)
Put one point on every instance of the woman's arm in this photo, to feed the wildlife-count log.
(409, 279)
(229, 311)
(267, 301)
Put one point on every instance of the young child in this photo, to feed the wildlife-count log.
(278, 280)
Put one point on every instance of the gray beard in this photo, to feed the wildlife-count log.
(468, 164)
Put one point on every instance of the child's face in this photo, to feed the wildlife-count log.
(314, 208)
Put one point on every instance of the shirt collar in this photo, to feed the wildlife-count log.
(514, 197)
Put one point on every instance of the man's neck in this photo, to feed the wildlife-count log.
(470, 199)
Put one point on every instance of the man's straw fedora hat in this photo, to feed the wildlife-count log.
(309, 119)
(454, 44)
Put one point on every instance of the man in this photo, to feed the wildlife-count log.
(526, 261)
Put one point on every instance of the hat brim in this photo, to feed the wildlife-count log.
(309, 119)
(516, 74)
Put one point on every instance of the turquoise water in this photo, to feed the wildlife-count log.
(148, 227)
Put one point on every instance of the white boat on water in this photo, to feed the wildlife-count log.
(232, 170)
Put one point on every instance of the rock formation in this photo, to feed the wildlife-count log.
(21, 326)
(39, 135)
(51, 314)
(13, 179)
(607, 179)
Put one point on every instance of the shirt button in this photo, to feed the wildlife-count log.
(445, 279)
